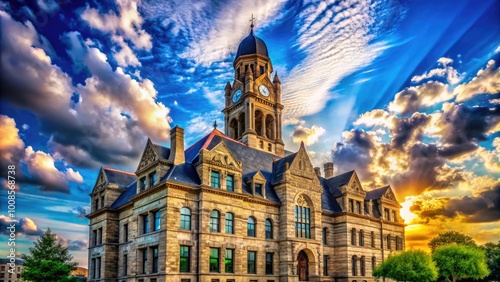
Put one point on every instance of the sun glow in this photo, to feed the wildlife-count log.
(405, 212)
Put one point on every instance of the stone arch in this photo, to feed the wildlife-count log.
(306, 264)
(259, 122)
(241, 124)
(233, 125)
(270, 128)
(303, 200)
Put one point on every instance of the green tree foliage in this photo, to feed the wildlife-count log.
(48, 261)
(450, 238)
(493, 260)
(411, 266)
(460, 261)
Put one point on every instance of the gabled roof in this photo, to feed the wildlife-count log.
(279, 167)
(163, 152)
(328, 201)
(376, 193)
(119, 177)
(124, 197)
(183, 173)
(335, 182)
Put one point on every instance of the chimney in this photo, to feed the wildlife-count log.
(177, 145)
(318, 171)
(328, 169)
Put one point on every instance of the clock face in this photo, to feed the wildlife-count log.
(236, 96)
(264, 91)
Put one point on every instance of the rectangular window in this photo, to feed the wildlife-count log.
(142, 184)
(125, 265)
(157, 220)
(215, 179)
(325, 265)
(92, 268)
(269, 263)
(214, 260)
(99, 232)
(145, 224)
(302, 222)
(144, 260)
(185, 219)
(393, 216)
(386, 214)
(125, 232)
(96, 204)
(374, 262)
(351, 205)
(155, 259)
(103, 203)
(258, 189)
(94, 237)
(185, 259)
(152, 179)
(251, 265)
(98, 268)
(230, 183)
(373, 239)
(358, 207)
(229, 261)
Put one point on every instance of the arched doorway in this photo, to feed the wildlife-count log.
(303, 266)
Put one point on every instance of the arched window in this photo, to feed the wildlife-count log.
(361, 238)
(302, 219)
(185, 218)
(324, 235)
(269, 229)
(270, 127)
(214, 221)
(259, 120)
(353, 237)
(241, 124)
(354, 269)
(234, 128)
(251, 227)
(229, 223)
(362, 266)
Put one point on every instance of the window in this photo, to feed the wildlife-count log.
(144, 260)
(215, 179)
(389, 242)
(386, 214)
(373, 239)
(393, 215)
(251, 265)
(269, 147)
(361, 238)
(185, 219)
(351, 205)
(353, 237)
(230, 183)
(269, 229)
(125, 265)
(102, 201)
(98, 267)
(325, 265)
(125, 232)
(185, 259)
(152, 179)
(258, 189)
(157, 220)
(374, 262)
(302, 222)
(269, 263)
(94, 236)
(155, 259)
(214, 260)
(354, 261)
(229, 261)
(96, 204)
(358, 207)
(229, 223)
(261, 69)
(145, 224)
(251, 227)
(92, 268)
(99, 232)
(142, 184)
(214, 221)
(362, 266)
(399, 243)
(324, 236)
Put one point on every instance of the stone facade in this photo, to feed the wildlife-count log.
(237, 206)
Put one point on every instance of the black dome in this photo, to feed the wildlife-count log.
(252, 45)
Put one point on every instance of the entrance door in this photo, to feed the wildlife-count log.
(303, 266)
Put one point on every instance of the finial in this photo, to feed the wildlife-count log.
(215, 124)
(252, 22)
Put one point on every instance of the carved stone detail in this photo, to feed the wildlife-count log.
(148, 157)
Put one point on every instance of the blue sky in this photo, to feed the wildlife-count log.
(405, 92)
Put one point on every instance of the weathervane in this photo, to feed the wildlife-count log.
(252, 21)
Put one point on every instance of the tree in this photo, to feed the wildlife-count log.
(460, 261)
(48, 261)
(450, 238)
(411, 266)
(493, 260)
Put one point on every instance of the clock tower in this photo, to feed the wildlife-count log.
(253, 108)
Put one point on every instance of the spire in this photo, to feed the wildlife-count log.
(215, 124)
(252, 22)
(228, 86)
(276, 78)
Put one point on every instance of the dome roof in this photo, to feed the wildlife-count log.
(251, 45)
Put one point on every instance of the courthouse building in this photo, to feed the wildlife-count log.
(236, 206)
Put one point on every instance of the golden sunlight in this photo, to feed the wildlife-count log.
(405, 212)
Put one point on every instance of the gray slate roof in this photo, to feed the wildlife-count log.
(120, 178)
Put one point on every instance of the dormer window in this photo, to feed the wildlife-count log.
(96, 204)
(215, 179)
(258, 188)
(152, 179)
(142, 184)
(230, 183)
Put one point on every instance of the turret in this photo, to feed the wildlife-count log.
(248, 80)
(227, 92)
(277, 87)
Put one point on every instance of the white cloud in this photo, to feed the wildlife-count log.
(74, 176)
(124, 57)
(415, 98)
(451, 74)
(487, 81)
(11, 146)
(307, 135)
(48, 6)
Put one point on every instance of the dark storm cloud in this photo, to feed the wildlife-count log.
(354, 152)
(406, 128)
(484, 207)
